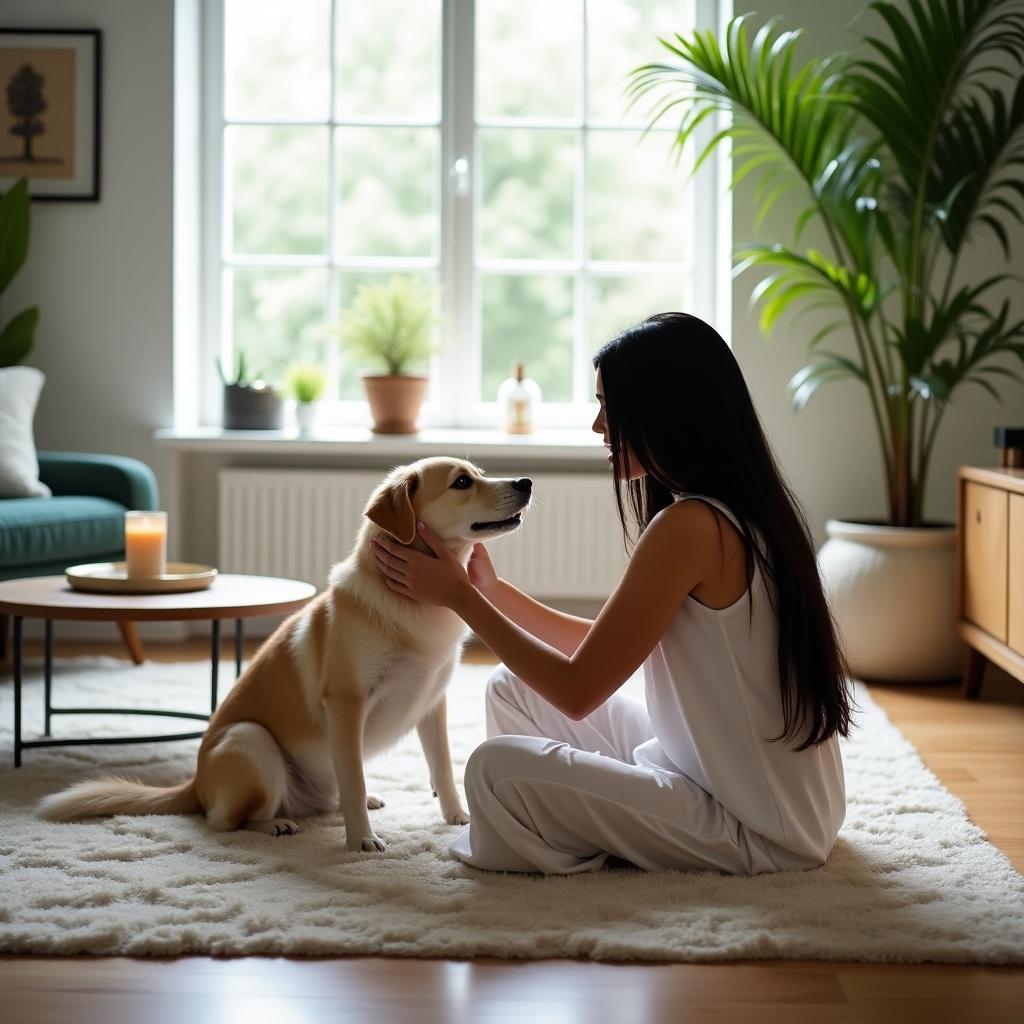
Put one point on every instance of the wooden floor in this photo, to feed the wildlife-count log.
(976, 749)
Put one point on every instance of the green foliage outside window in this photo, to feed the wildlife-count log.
(299, 241)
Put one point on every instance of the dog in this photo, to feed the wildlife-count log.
(339, 681)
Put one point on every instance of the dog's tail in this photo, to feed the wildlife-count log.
(117, 795)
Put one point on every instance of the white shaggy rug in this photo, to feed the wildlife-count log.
(911, 879)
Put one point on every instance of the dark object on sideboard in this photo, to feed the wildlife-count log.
(1011, 441)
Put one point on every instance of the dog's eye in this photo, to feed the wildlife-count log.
(462, 483)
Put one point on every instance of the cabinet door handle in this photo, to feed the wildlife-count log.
(977, 516)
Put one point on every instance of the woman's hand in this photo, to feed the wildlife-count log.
(481, 570)
(441, 580)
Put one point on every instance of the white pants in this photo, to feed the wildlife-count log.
(552, 795)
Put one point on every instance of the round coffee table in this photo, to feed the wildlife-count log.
(50, 598)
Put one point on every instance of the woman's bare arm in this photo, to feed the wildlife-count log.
(557, 629)
(674, 554)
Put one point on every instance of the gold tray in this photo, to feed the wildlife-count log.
(112, 578)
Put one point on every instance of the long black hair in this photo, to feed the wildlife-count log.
(675, 396)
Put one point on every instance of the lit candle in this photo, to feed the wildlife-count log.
(145, 543)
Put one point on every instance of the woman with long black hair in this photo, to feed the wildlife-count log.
(734, 763)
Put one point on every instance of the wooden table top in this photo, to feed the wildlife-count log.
(228, 597)
(1008, 479)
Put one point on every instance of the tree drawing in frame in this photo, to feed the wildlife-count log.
(26, 101)
(50, 112)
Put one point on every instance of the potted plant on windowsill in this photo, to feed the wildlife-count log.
(904, 155)
(249, 404)
(391, 325)
(305, 383)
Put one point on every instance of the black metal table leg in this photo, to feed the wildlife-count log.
(21, 744)
(17, 691)
(47, 673)
(214, 662)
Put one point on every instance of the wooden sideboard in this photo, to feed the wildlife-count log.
(990, 565)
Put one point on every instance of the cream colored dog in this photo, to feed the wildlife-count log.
(338, 682)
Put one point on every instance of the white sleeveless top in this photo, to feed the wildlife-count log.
(712, 686)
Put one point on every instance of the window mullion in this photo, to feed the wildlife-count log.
(582, 298)
(457, 359)
(215, 339)
(710, 209)
(331, 353)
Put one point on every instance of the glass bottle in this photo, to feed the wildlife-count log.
(519, 398)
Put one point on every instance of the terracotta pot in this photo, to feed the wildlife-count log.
(395, 401)
(893, 593)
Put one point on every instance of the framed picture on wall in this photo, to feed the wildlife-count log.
(50, 112)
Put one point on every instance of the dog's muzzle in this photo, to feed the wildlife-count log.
(523, 489)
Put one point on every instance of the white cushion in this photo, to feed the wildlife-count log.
(19, 467)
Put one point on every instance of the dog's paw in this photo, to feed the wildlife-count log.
(457, 817)
(371, 844)
(373, 802)
(274, 827)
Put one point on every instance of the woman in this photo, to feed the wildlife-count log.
(734, 763)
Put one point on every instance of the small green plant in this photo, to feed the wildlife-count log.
(390, 325)
(241, 377)
(305, 382)
(17, 335)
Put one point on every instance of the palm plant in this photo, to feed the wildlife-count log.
(905, 156)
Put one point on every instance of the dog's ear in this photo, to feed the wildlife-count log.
(391, 509)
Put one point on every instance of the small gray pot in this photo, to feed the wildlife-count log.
(252, 408)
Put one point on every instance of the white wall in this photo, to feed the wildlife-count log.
(102, 274)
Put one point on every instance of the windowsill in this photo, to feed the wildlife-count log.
(553, 444)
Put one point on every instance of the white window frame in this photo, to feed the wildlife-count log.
(456, 370)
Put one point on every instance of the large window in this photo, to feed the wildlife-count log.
(485, 147)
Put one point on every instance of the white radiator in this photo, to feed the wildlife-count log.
(298, 523)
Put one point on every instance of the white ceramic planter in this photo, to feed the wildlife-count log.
(305, 414)
(893, 594)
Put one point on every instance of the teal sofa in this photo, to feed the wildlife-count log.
(82, 522)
